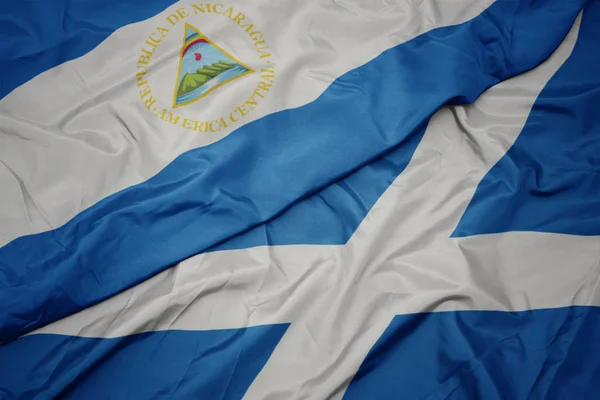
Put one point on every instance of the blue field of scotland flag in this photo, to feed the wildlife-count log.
(349, 199)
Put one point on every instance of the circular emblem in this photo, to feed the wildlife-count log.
(204, 68)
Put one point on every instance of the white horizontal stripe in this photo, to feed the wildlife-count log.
(79, 132)
(401, 260)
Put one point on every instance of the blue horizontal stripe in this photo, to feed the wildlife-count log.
(331, 215)
(38, 35)
(549, 180)
(539, 354)
(213, 193)
(216, 364)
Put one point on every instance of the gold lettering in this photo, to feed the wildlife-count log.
(187, 122)
(155, 40)
(256, 92)
(145, 91)
(152, 44)
(231, 115)
(149, 102)
(251, 102)
(264, 86)
(238, 18)
(242, 110)
(144, 60)
(169, 116)
(257, 44)
(247, 27)
(229, 13)
(220, 125)
(163, 31)
(182, 12)
(268, 75)
(268, 78)
(173, 19)
(199, 126)
(140, 79)
(264, 54)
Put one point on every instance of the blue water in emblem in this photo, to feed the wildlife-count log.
(230, 73)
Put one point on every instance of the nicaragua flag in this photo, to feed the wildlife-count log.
(300, 200)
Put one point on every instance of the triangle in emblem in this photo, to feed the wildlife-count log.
(203, 67)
